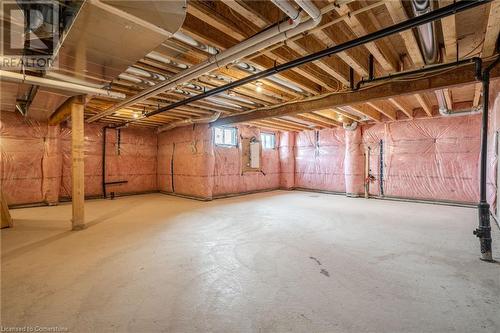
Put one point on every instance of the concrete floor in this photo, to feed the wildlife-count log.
(271, 262)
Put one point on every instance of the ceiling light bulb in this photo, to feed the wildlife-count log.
(258, 89)
(136, 115)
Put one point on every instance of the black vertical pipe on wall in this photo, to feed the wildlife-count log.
(104, 129)
(172, 167)
(484, 229)
(381, 168)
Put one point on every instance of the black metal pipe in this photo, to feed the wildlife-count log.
(484, 229)
(396, 28)
(370, 67)
(104, 129)
(381, 167)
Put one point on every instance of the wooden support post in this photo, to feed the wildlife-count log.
(77, 163)
(6, 220)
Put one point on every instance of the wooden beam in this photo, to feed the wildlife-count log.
(424, 103)
(454, 77)
(492, 30)
(398, 14)
(449, 33)
(402, 106)
(77, 166)
(64, 111)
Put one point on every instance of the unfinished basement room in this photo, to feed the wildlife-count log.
(229, 166)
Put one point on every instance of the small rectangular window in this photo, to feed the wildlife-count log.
(268, 140)
(225, 136)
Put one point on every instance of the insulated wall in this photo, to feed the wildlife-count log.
(30, 160)
(319, 160)
(190, 164)
(185, 161)
(229, 177)
(434, 159)
(130, 157)
(36, 160)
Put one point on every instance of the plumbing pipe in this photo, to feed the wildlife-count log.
(288, 9)
(60, 85)
(310, 9)
(252, 69)
(156, 56)
(452, 9)
(483, 232)
(185, 122)
(253, 44)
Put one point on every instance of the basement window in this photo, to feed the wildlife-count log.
(226, 136)
(268, 140)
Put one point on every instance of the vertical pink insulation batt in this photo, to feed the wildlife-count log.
(433, 159)
(354, 162)
(23, 149)
(190, 150)
(287, 159)
(36, 160)
(228, 175)
(134, 162)
(319, 160)
(493, 143)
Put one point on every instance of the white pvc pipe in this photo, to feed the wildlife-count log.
(185, 122)
(260, 41)
(310, 9)
(60, 85)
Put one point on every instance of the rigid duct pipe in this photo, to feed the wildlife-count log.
(426, 32)
(446, 112)
(143, 73)
(190, 41)
(256, 43)
(185, 122)
(60, 85)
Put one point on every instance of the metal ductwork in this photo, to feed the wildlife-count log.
(426, 32)
(97, 47)
(446, 111)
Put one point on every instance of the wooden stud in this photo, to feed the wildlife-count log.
(77, 166)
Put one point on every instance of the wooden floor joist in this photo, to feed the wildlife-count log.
(452, 77)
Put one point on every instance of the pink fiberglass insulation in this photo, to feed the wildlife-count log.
(435, 159)
(189, 150)
(229, 177)
(24, 149)
(493, 146)
(36, 160)
(354, 162)
(319, 160)
(287, 159)
(133, 160)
